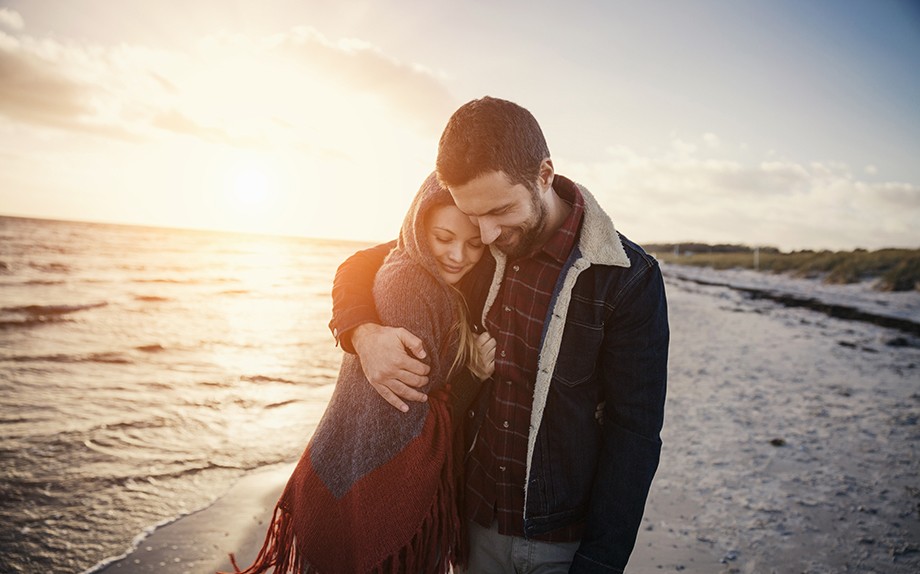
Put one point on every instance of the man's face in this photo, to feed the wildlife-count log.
(511, 216)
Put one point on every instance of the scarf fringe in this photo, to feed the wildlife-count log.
(436, 544)
(279, 550)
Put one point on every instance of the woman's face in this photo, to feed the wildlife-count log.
(454, 241)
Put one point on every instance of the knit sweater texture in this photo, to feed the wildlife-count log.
(375, 489)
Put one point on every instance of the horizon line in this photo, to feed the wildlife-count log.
(372, 241)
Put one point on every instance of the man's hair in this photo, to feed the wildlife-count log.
(487, 135)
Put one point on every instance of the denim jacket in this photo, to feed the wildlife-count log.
(599, 396)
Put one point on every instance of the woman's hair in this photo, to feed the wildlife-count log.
(468, 353)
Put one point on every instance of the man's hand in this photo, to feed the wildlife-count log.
(388, 358)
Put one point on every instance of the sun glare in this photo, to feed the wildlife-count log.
(250, 186)
(250, 196)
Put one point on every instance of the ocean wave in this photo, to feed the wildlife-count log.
(155, 348)
(264, 379)
(281, 404)
(43, 282)
(53, 267)
(37, 311)
(217, 384)
(199, 281)
(25, 323)
(113, 358)
(172, 281)
(151, 298)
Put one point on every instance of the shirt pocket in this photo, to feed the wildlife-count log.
(578, 353)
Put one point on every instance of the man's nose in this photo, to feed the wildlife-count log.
(488, 231)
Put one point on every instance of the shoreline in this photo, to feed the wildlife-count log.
(789, 445)
(236, 522)
(814, 303)
(202, 541)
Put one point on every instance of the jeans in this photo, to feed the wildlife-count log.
(494, 553)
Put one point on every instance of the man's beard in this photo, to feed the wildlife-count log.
(528, 233)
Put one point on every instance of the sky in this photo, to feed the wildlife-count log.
(766, 122)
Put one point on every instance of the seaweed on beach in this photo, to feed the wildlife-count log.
(891, 269)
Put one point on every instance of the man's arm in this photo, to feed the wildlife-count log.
(634, 361)
(353, 293)
(384, 351)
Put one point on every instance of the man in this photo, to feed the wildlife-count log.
(565, 439)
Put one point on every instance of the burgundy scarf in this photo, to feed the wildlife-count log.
(376, 488)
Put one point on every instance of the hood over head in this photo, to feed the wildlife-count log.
(413, 239)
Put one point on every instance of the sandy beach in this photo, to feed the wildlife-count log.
(790, 445)
(201, 542)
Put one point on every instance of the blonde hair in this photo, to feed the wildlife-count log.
(468, 354)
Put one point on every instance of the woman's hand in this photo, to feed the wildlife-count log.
(486, 364)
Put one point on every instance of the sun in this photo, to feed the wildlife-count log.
(250, 186)
(249, 196)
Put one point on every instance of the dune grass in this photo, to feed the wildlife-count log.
(892, 269)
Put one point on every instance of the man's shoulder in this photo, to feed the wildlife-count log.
(637, 255)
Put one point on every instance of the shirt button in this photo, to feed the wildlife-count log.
(472, 414)
(505, 424)
(517, 267)
(508, 382)
(507, 308)
(502, 353)
(501, 468)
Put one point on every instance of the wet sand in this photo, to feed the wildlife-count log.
(790, 445)
(201, 542)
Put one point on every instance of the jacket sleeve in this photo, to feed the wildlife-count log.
(634, 363)
(353, 293)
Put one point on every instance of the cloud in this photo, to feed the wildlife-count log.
(11, 19)
(40, 86)
(711, 139)
(233, 89)
(681, 194)
(32, 89)
(903, 195)
(413, 91)
(175, 121)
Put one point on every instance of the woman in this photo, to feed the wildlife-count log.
(375, 489)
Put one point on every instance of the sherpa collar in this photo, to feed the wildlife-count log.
(598, 242)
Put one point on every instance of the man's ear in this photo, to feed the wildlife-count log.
(547, 173)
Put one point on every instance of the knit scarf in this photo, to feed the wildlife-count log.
(376, 489)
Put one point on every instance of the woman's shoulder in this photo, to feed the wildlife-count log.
(402, 276)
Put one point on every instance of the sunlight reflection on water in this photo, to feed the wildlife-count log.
(143, 370)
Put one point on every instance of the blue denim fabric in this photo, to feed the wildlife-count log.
(612, 362)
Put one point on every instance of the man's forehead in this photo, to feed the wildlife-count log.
(489, 192)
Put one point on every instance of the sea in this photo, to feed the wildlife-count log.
(143, 371)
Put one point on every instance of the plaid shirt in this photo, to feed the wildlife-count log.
(497, 467)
